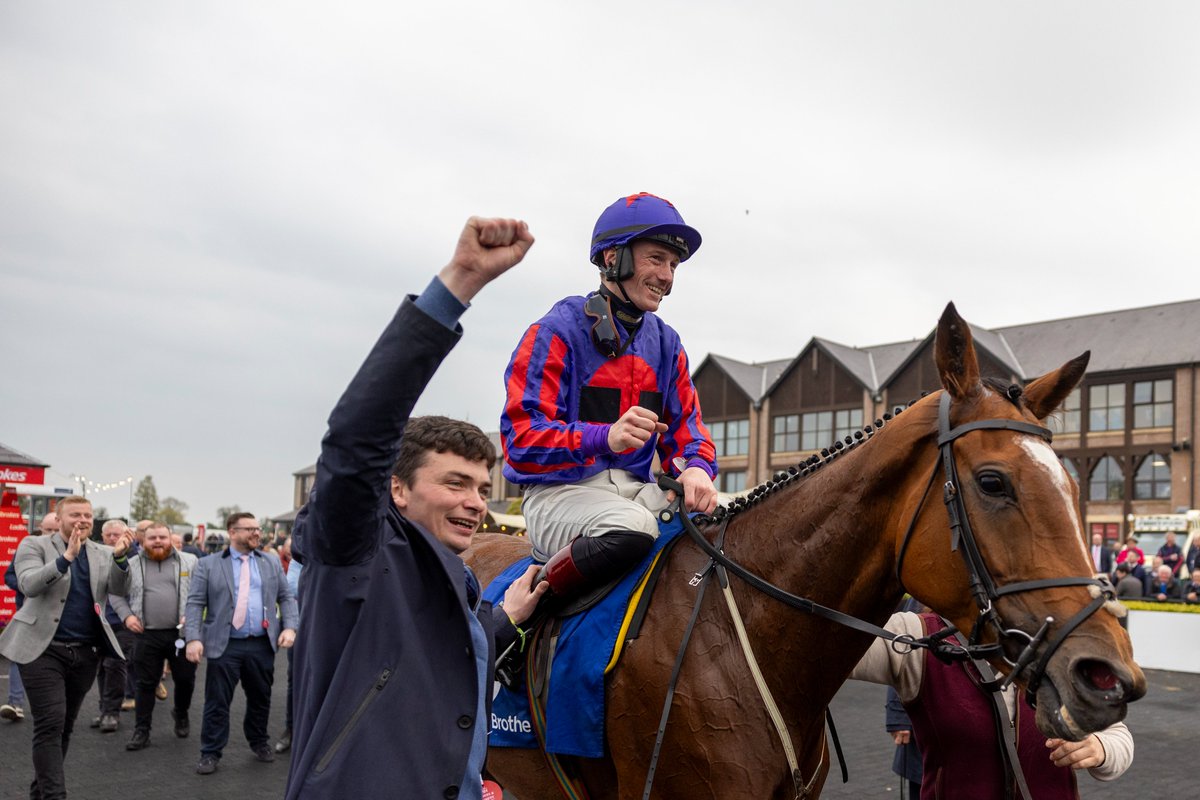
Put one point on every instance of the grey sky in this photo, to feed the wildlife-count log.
(208, 211)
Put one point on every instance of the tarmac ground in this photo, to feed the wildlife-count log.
(1165, 726)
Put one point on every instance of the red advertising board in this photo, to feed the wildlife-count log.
(11, 473)
(12, 531)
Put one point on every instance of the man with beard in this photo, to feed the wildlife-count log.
(159, 580)
(57, 635)
(239, 636)
(111, 677)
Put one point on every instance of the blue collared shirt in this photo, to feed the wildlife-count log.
(253, 626)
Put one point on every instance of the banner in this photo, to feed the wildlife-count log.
(12, 531)
(10, 473)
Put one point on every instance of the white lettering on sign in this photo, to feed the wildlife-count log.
(511, 724)
(10, 474)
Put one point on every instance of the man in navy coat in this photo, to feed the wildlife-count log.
(394, 670)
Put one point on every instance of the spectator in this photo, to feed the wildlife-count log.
(1127, 585)
(1163, 585)
(596, 388)
(1191, 592)
(1102, 557)
(154, 611)
(396, 501)
(294, 568)
(964, 760)
(1131, 547)
(1193, 554)
(14, 709)
(57, 633)
(189, 546)
(239, 636)
(111, 677)
(1171, 554)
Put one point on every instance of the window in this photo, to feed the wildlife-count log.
(731, 482)
(1106, 407)
(1111, 531)
(822, 428)
(1108, 482)
(1066, 419)
(1152, 481)
(732, 437)
(1072, 470)
(1152, 406)
(786, 434)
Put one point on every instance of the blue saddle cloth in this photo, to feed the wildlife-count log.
(575, 700)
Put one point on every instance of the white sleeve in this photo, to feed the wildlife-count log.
(903, 671)
(1118, 752)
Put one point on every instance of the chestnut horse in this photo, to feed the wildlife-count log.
(853, 530)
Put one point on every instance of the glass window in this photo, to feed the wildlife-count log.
(1106, 407)
(731, 482)
(786, 434)
(817, 430)
(846, 422)
(731, 437)
(1072, 470)
(1152, 404)
(1152, 481)
(1066, 418)
(1108, 482)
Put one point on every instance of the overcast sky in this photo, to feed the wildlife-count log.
(209, 211)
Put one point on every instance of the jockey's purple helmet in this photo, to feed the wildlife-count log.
(642, 216)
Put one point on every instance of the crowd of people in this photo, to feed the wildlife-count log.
(1169, 576)
(144, 603)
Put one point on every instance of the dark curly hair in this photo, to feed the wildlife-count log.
(440, 434)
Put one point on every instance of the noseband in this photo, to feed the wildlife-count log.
(982, 586)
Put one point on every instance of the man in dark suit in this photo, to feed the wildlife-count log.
(60, 632)
(394, 670)
(231, 618)
(1102, 557)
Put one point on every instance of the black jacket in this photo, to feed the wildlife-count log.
(386, 689)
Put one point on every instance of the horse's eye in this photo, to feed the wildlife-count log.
(992, 483)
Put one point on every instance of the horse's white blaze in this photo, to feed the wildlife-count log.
(1043, 454)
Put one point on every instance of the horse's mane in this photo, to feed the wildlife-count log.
(787, 477)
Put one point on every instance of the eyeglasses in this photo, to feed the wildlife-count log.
(244, 528)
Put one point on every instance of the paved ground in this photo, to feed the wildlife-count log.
(98, 768)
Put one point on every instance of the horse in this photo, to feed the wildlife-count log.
(853, 530)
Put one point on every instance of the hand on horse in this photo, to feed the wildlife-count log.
(634, 429)
(522, 596)
(486, 249)
(699, 494)
(1076, 755)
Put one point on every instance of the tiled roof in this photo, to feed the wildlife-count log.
(15, 457)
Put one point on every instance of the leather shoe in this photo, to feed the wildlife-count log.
(96, 722)
(263, 752)
(128, 704)
(207, 765)
(182, 728)
(12, 713)
(140, 740)
(109, 723)
(285, 742)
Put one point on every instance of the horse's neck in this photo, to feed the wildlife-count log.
(832, 538)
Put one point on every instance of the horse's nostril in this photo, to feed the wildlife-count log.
(1098, 675)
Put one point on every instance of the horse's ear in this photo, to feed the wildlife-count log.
(954, 354)
(1046, 393)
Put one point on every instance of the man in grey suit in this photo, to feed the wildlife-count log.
(231, 618)
(59, 633)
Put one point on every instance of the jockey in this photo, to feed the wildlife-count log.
(594, 389)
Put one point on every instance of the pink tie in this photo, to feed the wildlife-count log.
(243, 595)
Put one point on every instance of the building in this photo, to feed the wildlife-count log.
(1126, 434)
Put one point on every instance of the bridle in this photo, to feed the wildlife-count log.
(982, 586)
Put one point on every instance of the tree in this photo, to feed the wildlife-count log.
(223, 514)
(173, 511)
(145, 501)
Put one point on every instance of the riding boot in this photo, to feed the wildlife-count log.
(588, 562)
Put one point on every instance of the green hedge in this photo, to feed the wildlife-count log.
(1142, 605)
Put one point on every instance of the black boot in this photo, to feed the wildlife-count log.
(588, 562)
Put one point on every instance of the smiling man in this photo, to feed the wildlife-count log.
(393, 670)
(595, 388)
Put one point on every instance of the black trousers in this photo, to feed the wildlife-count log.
(112, 675)
(251, 661)
(55, 685)
(153, 648)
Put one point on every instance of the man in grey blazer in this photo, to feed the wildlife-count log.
(231, 618)
(60, 632)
